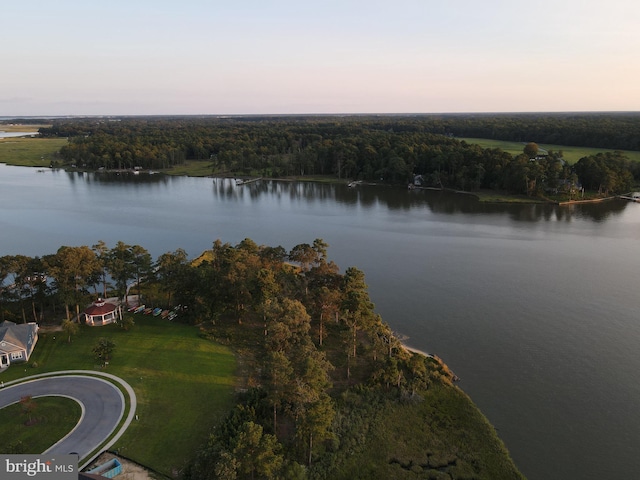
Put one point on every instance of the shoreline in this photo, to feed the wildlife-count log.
(482, 197)
(452, 375)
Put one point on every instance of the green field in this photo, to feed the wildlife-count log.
(191, 168)
(30, 152)
(184, 384)
(570, 154)
(50, 420)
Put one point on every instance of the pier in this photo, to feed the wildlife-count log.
(631, 196)
(240, 181)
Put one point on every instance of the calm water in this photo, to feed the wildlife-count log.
(17, 134)
(534, 307)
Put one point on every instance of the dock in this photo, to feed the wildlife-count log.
(633, 197)
(240, 181)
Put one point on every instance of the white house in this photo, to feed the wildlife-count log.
(17, 342)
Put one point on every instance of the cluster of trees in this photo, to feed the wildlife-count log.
(387, 149)
(608, 173)
(315, 334)
(32, 286)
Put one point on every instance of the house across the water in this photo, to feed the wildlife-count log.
(16, 342)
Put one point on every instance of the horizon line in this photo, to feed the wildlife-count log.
(336, 114)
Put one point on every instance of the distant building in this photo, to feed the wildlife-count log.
(17, 342)
(102, 312)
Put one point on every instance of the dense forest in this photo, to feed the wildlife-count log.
(325, 378)
(385, 149)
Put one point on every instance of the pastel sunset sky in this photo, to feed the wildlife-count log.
(138, 57)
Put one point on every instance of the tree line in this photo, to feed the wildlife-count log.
(386, 149)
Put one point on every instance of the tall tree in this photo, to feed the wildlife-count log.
(357, 309)
(121, 267)
(72, 269)
(5, 272)
(531, 150)
(21, 272)
(279, 375)
(35, 282)
(327, 304)
(141, 265)
(102, 254)
(172, 267)
(256, 452)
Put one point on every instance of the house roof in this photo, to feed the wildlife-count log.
(15, 337)
(100, 307)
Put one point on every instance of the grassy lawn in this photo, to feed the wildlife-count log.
(184, 384)
(570, 154)
(497, 197)
(29, 152)
(52, 419)
(191, 168)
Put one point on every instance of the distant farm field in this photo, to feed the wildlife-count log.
(570, 154)
(30, 152)
(15, 127)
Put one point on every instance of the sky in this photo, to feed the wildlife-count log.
(159, 57)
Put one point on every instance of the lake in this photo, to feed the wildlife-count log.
(17, 134)
(534, 307)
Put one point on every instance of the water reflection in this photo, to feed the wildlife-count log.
(119, 178)
(438, 202)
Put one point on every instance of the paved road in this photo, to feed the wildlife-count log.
(102, 408)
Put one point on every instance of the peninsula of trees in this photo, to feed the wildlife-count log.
(327, 390)
(387, 149)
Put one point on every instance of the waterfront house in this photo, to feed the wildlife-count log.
(16, 342)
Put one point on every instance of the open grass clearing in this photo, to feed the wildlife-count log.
(30, 152)
(184, 384)
(570, 154)
(51, 419)
(191, 168)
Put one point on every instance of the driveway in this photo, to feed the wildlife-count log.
(102, 403)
